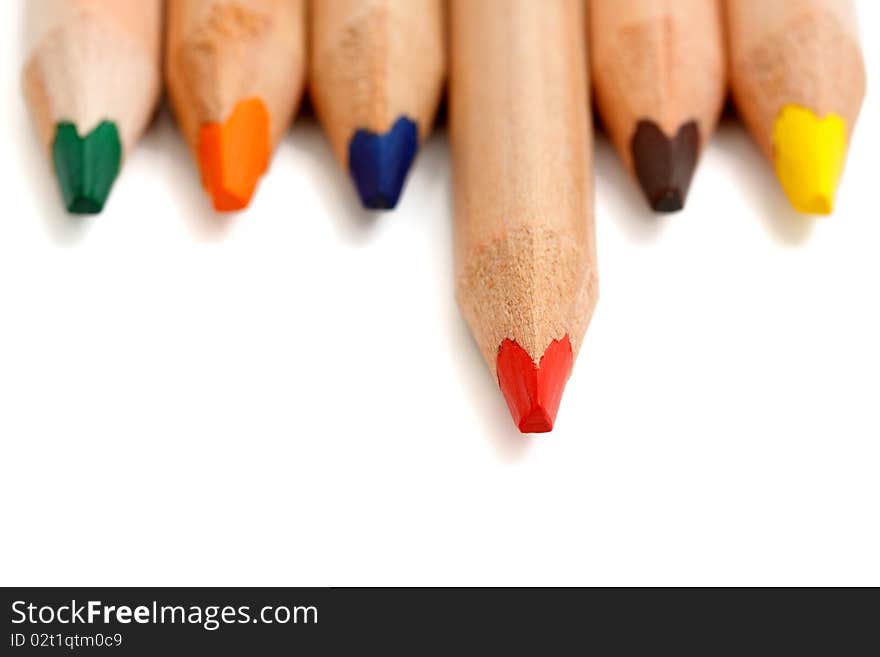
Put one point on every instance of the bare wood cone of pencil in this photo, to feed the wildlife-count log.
(524, 232)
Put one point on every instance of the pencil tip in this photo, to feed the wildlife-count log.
(667, 200)
(379, 163)
(664, 167)
(808, 154)
(533, 392)
(234, 155)
(86, 167)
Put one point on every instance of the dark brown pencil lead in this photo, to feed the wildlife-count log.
(664, 166)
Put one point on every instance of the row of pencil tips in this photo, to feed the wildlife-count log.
(519, 76)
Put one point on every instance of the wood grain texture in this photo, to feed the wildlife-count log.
(802, 52)
(657, 60)
(91, 61)
(221, 52)
(522, 155)
(373, 61)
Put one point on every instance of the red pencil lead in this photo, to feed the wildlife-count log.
(533, 392)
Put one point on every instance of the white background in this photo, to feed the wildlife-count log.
(290, 397)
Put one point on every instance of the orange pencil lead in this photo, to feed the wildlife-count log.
(234, 156)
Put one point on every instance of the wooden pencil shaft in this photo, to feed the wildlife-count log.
(374, 61)
(141, 20)
(521, 142)
(91, 61)
(659, 61)
(799, 52)
(220, 53)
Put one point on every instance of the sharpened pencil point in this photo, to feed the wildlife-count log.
(234, 155)
(533, 392)
(379, 164)
(664, 166)
(667, 200)
(86, 167)
(808, 154)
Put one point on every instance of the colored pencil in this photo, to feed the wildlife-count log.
(798, 81)
(92, 81)
(377, 74)
(235, 73)
(524, 232)
(659, 72)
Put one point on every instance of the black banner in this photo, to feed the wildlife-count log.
(288, 621)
